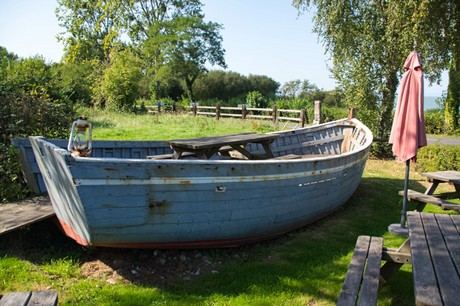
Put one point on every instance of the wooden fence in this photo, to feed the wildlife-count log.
(244, 112)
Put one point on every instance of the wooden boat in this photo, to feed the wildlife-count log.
(118, 197)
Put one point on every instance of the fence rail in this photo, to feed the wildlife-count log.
(274, 114)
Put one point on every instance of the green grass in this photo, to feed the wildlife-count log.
(115, 126)
(305, 267)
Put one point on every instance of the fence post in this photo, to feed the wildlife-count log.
(274, 114)
(302, 117)
(243, 111)
(159, 107)
(317, 116)
(194, 108)
(351, 113)
(217, 112)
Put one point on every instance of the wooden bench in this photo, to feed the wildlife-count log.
(423, 199)
(170, 155)
(288, 156)
(225, 150)
(298, 156)
(43, 298)
(361, 283)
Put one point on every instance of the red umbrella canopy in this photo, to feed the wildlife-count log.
(408, 130)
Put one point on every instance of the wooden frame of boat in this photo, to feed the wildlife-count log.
(120, 198)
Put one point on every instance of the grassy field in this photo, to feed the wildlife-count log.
(305, 267)
(116, 126)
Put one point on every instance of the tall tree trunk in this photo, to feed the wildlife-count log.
(388, 102)
(451, 112)
(189, 84)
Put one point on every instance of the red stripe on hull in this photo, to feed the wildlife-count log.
(201, 244)
(70, 233)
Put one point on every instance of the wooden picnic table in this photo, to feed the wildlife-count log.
(205, 147)
(435, 251)
(438, 177)
(435, 179)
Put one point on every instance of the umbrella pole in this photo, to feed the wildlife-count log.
(406, 187)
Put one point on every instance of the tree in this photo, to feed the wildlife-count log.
(173, 33)
(301, 89)
(265, 85)
(93, 28)
(227, 87)
(26, 108)
(74, 81)
(368, 42)
(120, 82)
(7, 56)
(197, 42)
(255, 99)
(439, 31)
(169, 36)
(291, 89)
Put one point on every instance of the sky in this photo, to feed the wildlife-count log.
(261, 37)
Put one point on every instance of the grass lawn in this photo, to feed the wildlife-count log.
(305, 267)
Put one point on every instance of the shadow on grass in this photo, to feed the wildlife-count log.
(306, 266)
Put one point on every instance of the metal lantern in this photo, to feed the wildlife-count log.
(80, 140)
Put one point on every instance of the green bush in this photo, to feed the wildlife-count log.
(27, 107)
(120, 82)
(25, 114)
(434, 121)
(12, 185)
(438, 158)
(331, 113)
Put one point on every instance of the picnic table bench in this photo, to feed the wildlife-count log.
(34, 298)
(433, 250)
(424, 199)
(429, 197)
(362, 280)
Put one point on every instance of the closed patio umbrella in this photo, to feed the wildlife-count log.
(408, 130)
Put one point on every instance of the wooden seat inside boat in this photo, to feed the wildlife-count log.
(225, 151)
(298, 156)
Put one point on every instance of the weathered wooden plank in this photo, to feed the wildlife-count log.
(27, 171)
(16, 215)
(451, 233)
(212, 141)
(445, 176)
(447, 262)
(288, 156)
(446, 275)
(425, 198)
(451, 207)
(36, 298)
(370, 285)
(15, 299)
(352, 283)
(43, 298)
(425, 284)
(160, 156)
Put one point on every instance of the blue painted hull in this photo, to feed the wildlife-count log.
(139, 202)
